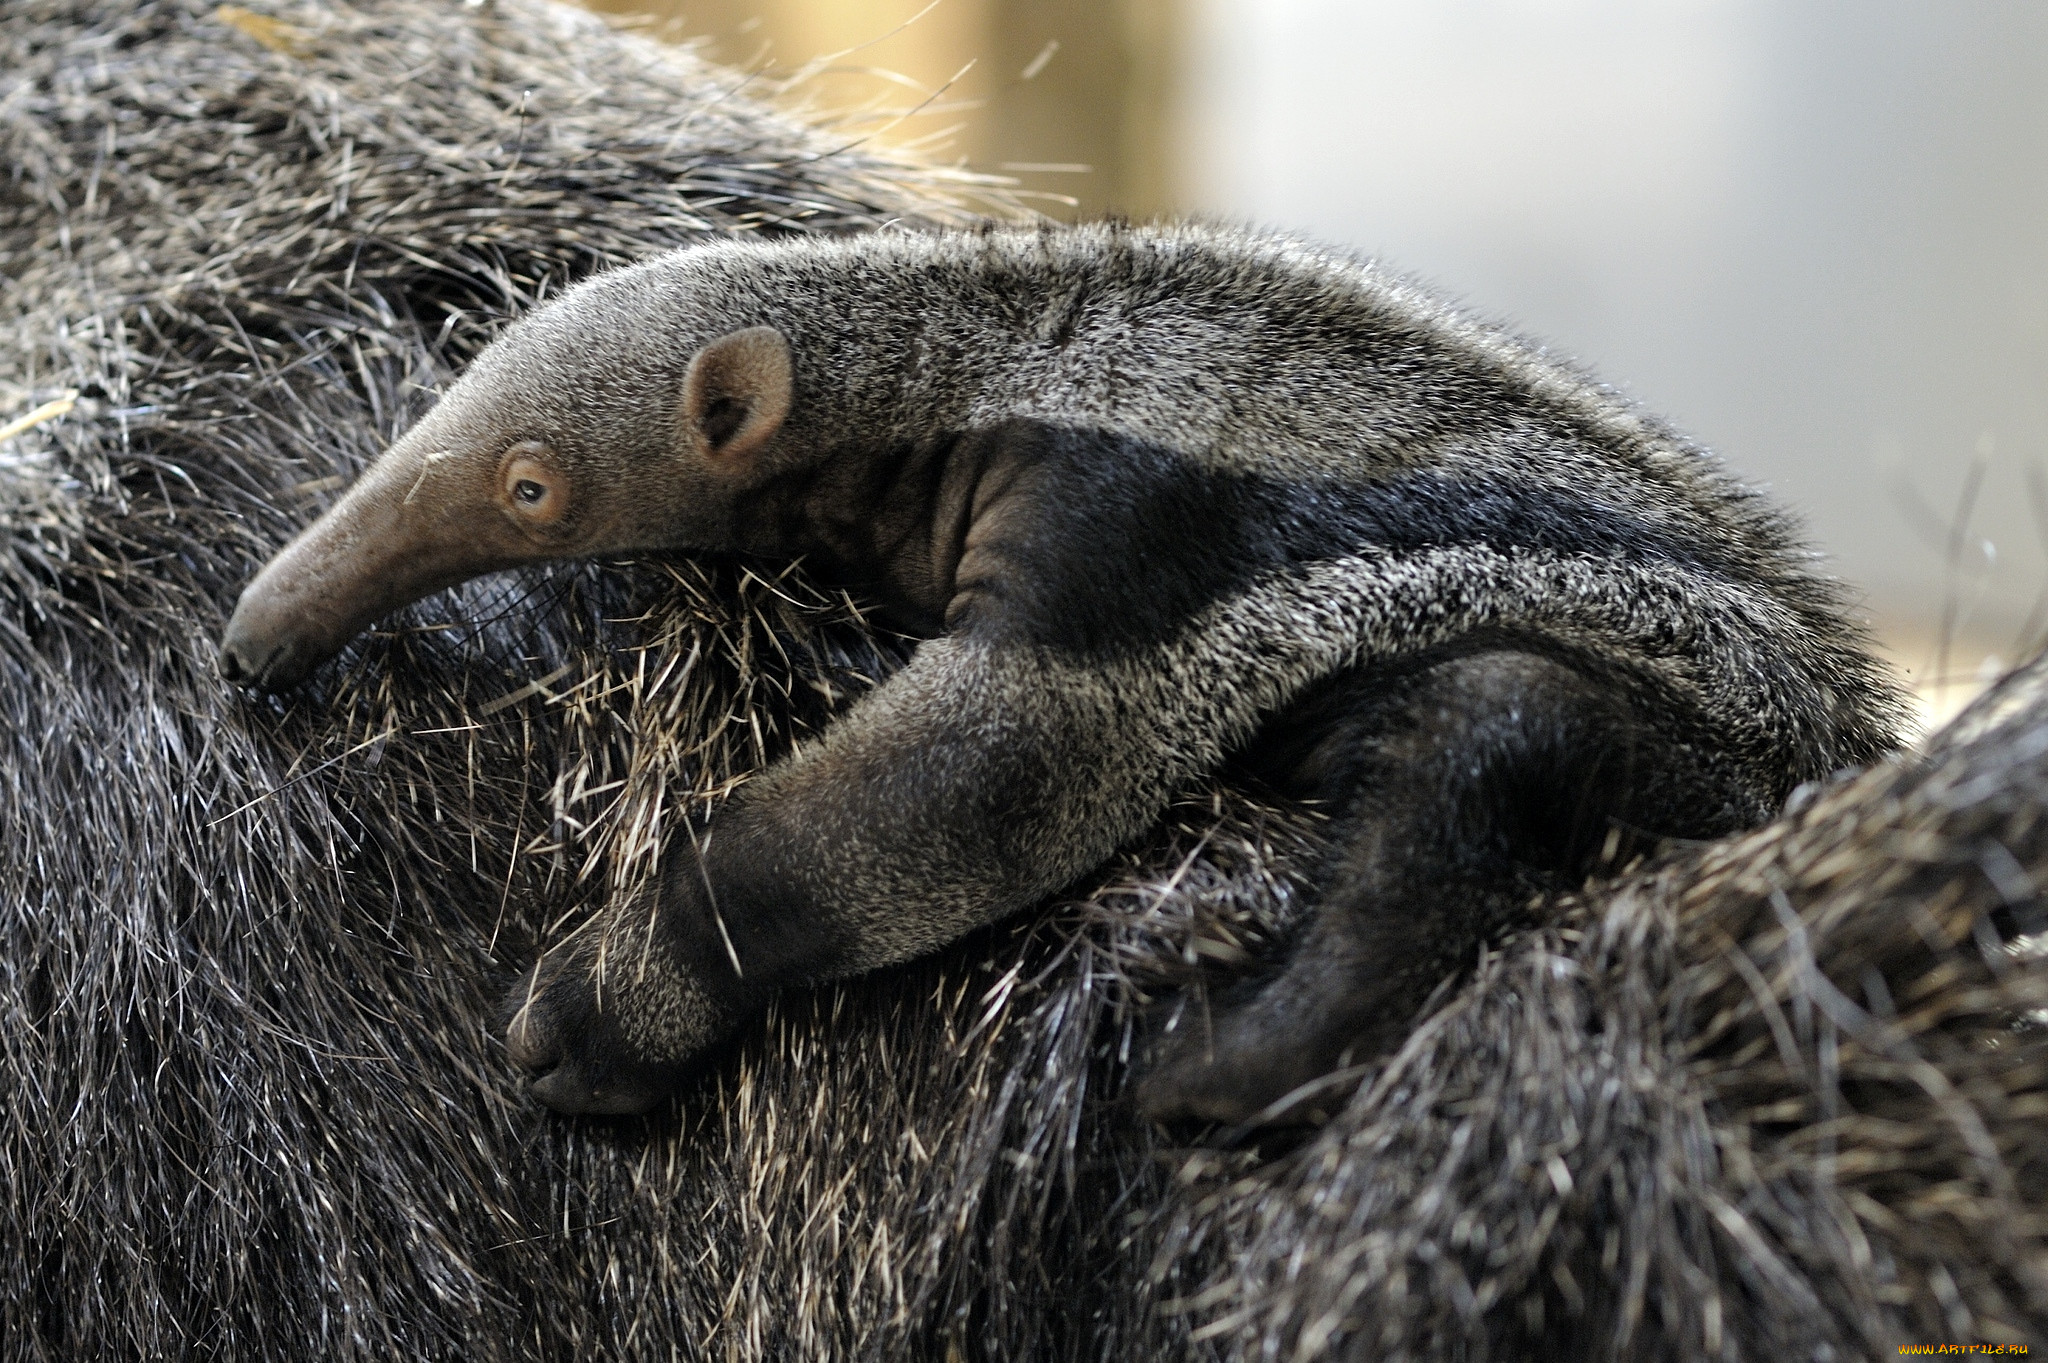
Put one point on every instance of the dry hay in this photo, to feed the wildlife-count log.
(1775, 1098)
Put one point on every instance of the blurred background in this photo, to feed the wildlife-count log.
(1813, 232)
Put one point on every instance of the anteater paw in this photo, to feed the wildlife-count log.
(574, 1045)
(1258, 1062)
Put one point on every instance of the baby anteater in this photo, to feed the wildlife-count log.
(1154, 497)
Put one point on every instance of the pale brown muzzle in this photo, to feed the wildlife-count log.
(372, 552)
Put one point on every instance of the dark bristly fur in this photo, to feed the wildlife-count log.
(1779, 1097)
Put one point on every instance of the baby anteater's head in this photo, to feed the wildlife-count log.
(631, 414)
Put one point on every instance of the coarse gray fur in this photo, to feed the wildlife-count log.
(1774, 1098)
(1595, 584)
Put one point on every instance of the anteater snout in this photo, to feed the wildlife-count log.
(238, 662)
(252, 665)
(255, 653)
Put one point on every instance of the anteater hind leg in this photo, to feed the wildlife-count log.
(1461, 791)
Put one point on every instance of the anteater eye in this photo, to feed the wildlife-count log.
(533, 485)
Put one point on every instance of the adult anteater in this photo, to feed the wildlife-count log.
(1779, 1096)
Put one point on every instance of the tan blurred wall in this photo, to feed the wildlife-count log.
(1052, 83)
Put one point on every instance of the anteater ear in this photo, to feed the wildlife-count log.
(736, 394)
